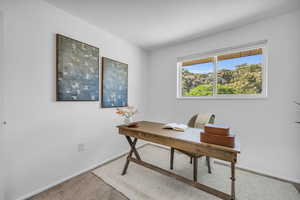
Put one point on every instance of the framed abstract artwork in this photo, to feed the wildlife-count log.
(114, 83)
(77, 70)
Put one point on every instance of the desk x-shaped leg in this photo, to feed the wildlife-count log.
(193, 183)
(133, 150)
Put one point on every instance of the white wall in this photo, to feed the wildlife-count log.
(268, 135)
(2, 154)
(42, 135)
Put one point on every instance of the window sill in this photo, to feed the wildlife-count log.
(261, 97)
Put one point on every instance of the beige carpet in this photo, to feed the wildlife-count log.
(144, 184)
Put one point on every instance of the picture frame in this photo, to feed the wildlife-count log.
(114, 87)
(77, 70)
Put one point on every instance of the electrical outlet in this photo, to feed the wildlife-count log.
(81, 147)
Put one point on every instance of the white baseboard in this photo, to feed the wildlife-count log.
(243, 168)
(125, 152)
(35, 192)
(261, 173)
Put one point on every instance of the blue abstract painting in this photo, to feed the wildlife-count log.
(77, 70)
(114, 83)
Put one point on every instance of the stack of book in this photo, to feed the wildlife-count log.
(218, 134)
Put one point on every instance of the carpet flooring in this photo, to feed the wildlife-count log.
(143, 184)
(83, 187)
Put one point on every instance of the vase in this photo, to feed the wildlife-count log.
(127, 120)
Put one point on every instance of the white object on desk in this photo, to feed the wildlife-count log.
(176, 127)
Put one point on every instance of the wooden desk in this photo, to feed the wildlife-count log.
(187, 141)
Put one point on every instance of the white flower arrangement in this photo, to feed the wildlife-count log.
(127, 113)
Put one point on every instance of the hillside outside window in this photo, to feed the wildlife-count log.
(234, 73)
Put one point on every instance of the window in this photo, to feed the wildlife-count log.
(230, 73)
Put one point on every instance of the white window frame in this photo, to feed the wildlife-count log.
(254, 45)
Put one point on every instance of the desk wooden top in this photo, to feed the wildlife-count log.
(191, 135)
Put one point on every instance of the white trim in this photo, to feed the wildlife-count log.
(224, 97)
(262, 173)
(31, 194)
(35, 192)
(259, 44)
(178, 81)
(265, 78)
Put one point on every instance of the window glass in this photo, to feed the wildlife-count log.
(197, 78)
(241, 75)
